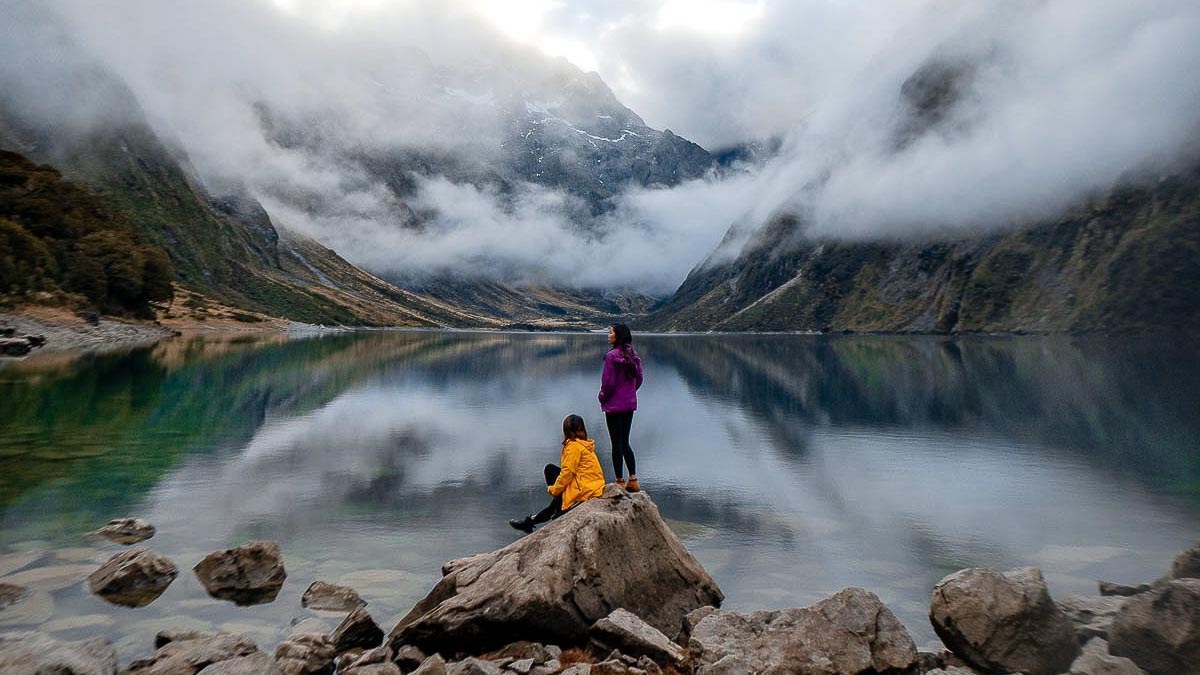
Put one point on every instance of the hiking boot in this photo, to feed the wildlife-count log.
(632, 486)
(524, 524)
(620, 483)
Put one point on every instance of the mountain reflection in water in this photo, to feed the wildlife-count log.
(792, 466)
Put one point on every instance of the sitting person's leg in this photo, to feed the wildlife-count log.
(553, 510)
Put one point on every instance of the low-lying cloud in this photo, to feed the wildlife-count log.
(1056, 100)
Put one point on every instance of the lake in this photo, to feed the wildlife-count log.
(791, 466)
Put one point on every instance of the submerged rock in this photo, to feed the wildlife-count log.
(36, 653)
(849, 632)
(34, 607)
(551, 586)
(133, 578)
(126, 530)
(11, 594)
(1160, 630)
(327, 596)
(1003, 621)
(248, 575)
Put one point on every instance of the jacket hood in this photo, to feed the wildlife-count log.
(618, 356)
(588, 444)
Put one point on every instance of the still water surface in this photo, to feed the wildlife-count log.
(791, 466)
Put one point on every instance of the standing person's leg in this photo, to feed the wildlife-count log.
(626, 426)
(612, 421)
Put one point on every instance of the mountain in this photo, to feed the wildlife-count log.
(1129, 262)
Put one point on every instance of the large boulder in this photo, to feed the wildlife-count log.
(551, 586)
(1160, 630)
(327, 596)
(1187, 565)
(37, 653)
(851, 632)
(126, 530)
(1003, 621)
(247, 575)
(357, 630)
(1095, 660)
(133, 578)
(190, 656)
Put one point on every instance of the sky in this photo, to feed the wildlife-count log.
(1053, 102)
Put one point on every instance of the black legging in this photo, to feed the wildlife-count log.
(554, 510)
(619, 424)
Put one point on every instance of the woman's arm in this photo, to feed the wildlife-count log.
(608, 379)
(570, 466)
(638, 381)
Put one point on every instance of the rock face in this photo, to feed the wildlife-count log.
(357, 630)
(551, 586)
(849, 632)
(248, 575)
(305, 654)
(1095, 660)
(1160, 630)
(126, 530)
(36, 653)
(1092, 615)
(133, 578)
(1187, 565)
(623, 630)
(186, 657)
(327, 596)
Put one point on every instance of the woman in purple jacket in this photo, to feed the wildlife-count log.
(618, 399)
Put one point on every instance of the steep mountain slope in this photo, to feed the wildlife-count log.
(1128, 262)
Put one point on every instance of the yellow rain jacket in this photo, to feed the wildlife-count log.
(581, 477)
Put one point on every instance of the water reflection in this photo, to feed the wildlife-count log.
(791, 466)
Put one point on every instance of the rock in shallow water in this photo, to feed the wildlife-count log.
(327, 596)
(248, 575)
(849, 632)
(189, 656)
(126, 530)
(551, 586)
(1003, 621)
(133, 578)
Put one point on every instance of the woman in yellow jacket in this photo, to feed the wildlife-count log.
(579, 479)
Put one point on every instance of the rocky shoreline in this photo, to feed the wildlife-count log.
(609, 589)
(60, 331)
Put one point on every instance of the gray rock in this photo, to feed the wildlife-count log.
(370, 657)
(29, 653)
(247, 575)
(187, 657)
(849, 632)
(647, 664)
(358, 629)
(434, 665)
(1003, 622)
(373, 669)
(164, 637)
(522, 666)
(953, 670)
(473, 666)
(1160, 630)
(326, 596)
(1095, 660)
(1187, 565)
(609, 552)
(305, 654)
(623, 630)
(407, 658)
(1091, 615)
(528, 650)
(258, 663)
(577, 669)
(126, 530)
(1109, 588)
(610, 667)
(133, 578)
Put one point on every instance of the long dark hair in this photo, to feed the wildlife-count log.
(625, 344)
(573, 427)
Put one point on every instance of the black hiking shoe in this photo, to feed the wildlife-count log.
(525, 524)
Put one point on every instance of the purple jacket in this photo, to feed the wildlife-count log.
(618, 393)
